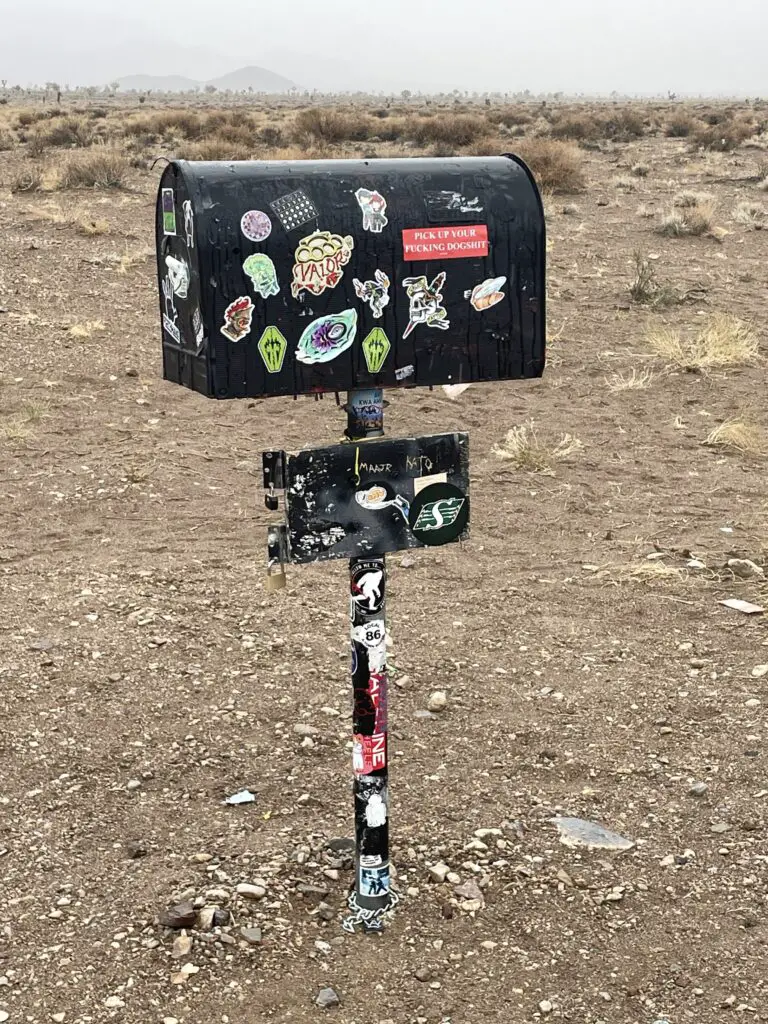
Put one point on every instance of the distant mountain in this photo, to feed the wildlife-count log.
(258, 79)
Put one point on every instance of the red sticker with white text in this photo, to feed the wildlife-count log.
(449, 243)
(369, 753)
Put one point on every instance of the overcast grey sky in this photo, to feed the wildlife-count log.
(596, 46)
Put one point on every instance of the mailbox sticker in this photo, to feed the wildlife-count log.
(367, 584)
(374, 881)
(376, 349)
(370, 861)
(256, 225)
(374, 206)
(451, 202)
(487, 294)
(199, 329)
(319, 261)
(327, 337)
(379, 497)
(263, 275)
(372, 791)
(439, 514)
(371, 635)
(272, 347)
(237, 319)
(169, 212)
(189, 223)
(405, 372)
(446, 243)
(375, 293)
(426, 303)
(178, 274)
(294, 210)
(369, 753)
(170, 313)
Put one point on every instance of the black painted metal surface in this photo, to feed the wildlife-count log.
(287, 278)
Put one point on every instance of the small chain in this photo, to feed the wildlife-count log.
(371, 920)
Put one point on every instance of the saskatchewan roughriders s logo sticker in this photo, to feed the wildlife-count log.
(439, 514)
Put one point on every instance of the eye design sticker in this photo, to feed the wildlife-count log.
(327, 337)
(294, 210)
(319, 261)
(426, 303)
(237, 319)
(189, 223)
(373, 205)
(487, 294)
(256, 225)
(263, 275)
(178, 272)
(375, 293)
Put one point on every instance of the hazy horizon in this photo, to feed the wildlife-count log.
(596, 47)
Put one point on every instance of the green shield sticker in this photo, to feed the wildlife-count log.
(376, 349)
(273, 346)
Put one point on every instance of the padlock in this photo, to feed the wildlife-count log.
(275, 580)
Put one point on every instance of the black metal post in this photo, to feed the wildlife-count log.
(372, 896)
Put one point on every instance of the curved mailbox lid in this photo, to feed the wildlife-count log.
(311, 276)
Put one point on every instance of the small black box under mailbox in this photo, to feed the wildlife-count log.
(290, 278)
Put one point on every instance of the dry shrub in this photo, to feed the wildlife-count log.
(332, 126)
(509, 116)
(625, 184)
(26, 118)
(556, 165)
(680, 126)
(452, 130)
(633, 381)
(89, 227)
(725, 136)
(485, 146)
(725, 341)
(28, 180)
(738, 435)
(687, 199)
(645, 287)
(696, 219)
(579, 127)
(625, 123)
(101, 167)
(640, 170)
(215, 148)
(67, 131)
(7, 141)
(750, 215)
(271, 135)
(87, 329)
(523, 447)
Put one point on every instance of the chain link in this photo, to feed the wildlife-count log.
(371, 920)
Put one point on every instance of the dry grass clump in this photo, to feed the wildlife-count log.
(654, 571)
(750, 215)
(100, 167)
(738, 435)
(625, 184)
(640, 170)
(66, 131)
(724, 136)
(320, 124)
(725, 341)
(680, 126)
(523, 447)
(26, 118)
(28, 180)
(634, 380)
(578, 127)
(556, 165)
(87, 329)
(645, 287)
(214, 148)
(695, 217)
(625, 123)
(688, 199)
(7, 141)
(452, 130)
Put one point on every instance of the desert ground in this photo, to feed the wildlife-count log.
(589, 665)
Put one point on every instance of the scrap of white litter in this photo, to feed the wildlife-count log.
(742, 606)
(578, 832)
(243, 797)
(454, 390)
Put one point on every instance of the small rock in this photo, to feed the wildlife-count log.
(469, 891)
(206, 921)
(745, 568)
(439, 872)
(221, 918)
(340, 846)
(58, 1018)
(423, 974)
(302, 729)
(182, 946)
(251, 892)
(200, 858)
(423, 714)
(438, 701)
(183, 915)
(545, 1006)
(753, 702)
(226, 939)
(325, 912)
(759, 671)
(698, 789)
(578, 832)
(720, 828)
(251, 935)
(134, 784)
(131, 372)
(564, 877)
(114, 1003)
(135, 850)
(454, 878)
(668, 861)
(3, 1016)
(489, 944)
(327, 998)
(407, 562)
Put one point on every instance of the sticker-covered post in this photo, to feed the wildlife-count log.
(372, 896)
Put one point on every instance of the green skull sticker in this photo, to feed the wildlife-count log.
(273, 346)
(263, 275)
(376, 349)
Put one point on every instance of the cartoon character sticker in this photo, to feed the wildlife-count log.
(426, 303)
(373, 205)
(237, 318)
(374, 881)
(367, 584)
(199, 329)
(294, 210)
(376, 349)
(377, 497)
(375, 293)
(178, 274)
(256, 225)
(272, 348)
(320, 258)
(189, 223)
(169, 212)
(263, 275)
(327, 337)
(487, 294)
(170, 313)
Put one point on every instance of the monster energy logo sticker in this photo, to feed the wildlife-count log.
(273, 346)
(438, 514)
(376, 349)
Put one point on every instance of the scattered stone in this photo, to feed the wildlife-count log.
(206, 920)
(423, 714)
(226, 939)
(251, 935)
(438, 701)
(221, 918)
(243, 797)
(325, 912)
(135, 850)
(133, 785)
(58, 1018)
(545, 1006)
(469, 891)
(307, 889)
(41, 644)
(454, 878)
(745, 568)
(423, 974)
(407, 562)
(720, 828)
(745, 607)
(439, 872)
(698, 789)
(182, 946)
(759, 671)
(341, 846)
(183, 915)
(564, 877)
(753, 702)
(489, 944)
(3, 1016)
(578, 832)
(200, 858)
(251, 892)
(401, 682)
(327, 998)
(112, 1003)
(302, 729)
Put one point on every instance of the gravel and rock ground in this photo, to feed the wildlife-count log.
(146, 674)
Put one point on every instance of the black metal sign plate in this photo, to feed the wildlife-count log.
(371, 497)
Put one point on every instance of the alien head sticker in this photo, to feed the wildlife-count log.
(376, 349)
(256, 225)
(327, 337)
(374, 206)
(439, 514)
(178, 273)
(487, 294)
(426, 303)
(237, 319)
(272, 347)
(375, 293)
(320, 258)
(263, 275)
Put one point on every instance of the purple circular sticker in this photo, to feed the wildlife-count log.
(256, 225)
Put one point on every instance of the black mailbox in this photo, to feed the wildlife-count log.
(290, 278)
